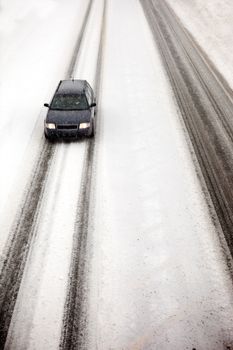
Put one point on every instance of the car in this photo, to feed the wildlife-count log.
(71, 113)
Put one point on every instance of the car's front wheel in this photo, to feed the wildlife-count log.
(49, 138)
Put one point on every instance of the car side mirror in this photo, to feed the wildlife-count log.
(46, 105)
(92, 105)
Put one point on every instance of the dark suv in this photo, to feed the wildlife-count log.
(71, 112)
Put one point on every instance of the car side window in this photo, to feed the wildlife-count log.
(91, 90)
(89, 96)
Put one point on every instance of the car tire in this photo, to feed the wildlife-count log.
(49, 139)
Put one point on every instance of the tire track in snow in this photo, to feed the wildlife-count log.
(22, 233)
(206, 106)
(20, 240)
(74, 332)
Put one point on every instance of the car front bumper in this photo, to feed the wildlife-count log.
(64, 133)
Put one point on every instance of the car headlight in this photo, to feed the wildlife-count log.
(84, 125)
(50, 125)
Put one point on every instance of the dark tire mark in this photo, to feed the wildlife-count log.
(73, 61)
(20, 240)
(21, 236)
(74, 332)
(205, 102)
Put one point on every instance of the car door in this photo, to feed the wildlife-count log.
(90, 99)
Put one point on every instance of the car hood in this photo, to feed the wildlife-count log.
(68, 117)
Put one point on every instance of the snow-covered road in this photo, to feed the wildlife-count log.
(54, 224)
(155, 275)
(35, 53)
(156, 262)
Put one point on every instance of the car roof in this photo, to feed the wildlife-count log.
(73, 86)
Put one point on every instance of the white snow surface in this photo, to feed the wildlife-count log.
(37, 318)
(158, 285)
(36, 42)
(210, 22)
(158, 277)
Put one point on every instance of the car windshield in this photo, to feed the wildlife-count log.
(69, 102)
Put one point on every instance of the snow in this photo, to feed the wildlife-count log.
(37, 41)
(210, 22)
(37, 319)
(158, 277)
(155, 249)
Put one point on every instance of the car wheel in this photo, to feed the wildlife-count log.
(49, 139)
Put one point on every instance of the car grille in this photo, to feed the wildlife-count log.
(67, 126)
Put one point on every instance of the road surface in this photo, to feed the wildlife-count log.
(113, 243)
